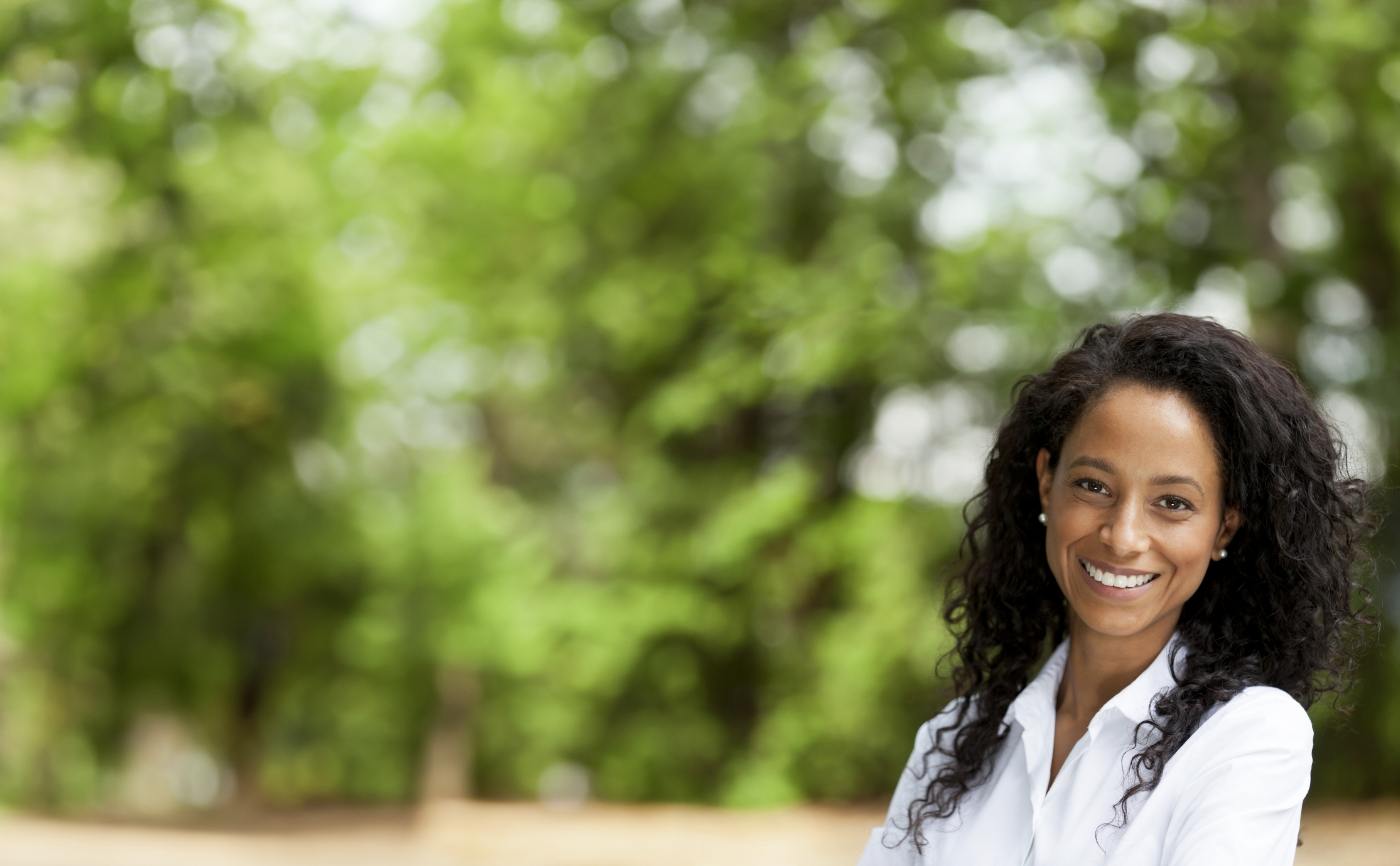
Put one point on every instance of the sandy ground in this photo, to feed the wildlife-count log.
(495, 834)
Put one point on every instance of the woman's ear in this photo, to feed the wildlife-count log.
(1044, 476)
(1229, 525)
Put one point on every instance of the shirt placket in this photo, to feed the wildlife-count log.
(1038, 813)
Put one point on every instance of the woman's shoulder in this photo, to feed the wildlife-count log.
(944, 720)
(1263, 705)
(923, 757)
(1257, 718)
(924, 760)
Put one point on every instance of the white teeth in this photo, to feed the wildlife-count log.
(1122, 581)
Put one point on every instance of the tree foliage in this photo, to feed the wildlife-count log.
(598, 383)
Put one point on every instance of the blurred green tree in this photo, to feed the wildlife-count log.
(496, 386)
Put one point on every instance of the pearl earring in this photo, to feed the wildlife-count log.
(1042, 517)
(1224, 553)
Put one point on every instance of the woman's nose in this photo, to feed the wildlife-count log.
(1122, 532)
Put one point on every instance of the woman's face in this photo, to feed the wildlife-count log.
(1137, 491)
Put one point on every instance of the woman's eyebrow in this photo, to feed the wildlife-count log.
(1104, 466)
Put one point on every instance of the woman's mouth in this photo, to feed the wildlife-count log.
(1112, 584)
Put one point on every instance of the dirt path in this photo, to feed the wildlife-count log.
(497, 834)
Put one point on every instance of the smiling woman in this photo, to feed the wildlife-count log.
(1124, 529)
(1167, 722)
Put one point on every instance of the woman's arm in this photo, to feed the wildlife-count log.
(1243, 807)
(887, 844)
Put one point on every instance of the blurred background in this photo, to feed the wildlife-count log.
(451, 401)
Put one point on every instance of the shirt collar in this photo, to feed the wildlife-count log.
(1035, 706)
(1036, 703)
(1134, 703)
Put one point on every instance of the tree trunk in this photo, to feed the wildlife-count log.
(447, 754)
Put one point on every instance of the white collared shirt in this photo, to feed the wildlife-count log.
(1232, 795)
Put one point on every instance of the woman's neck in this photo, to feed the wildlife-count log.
(1100, 666)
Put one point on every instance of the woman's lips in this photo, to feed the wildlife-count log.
(1111, 592)
(1104, 566)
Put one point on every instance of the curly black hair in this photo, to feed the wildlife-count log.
(1283, 466)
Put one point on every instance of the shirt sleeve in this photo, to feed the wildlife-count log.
(1244, 808)
(888, 844)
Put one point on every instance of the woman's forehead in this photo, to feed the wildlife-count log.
(1142, 431)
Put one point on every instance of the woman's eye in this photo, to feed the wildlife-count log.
(1172, 503)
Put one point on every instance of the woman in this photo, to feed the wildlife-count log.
(1165, 511)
